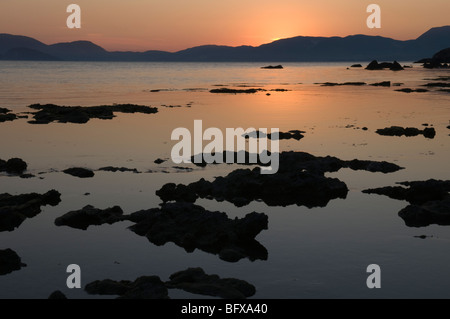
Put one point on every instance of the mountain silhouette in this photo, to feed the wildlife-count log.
(296, 49)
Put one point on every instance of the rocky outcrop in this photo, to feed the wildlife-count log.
(384, 83)
(430, 201)
(271, 67)
(293, 134)
(427, 132)
(300, 180)
(440, 60)
(89, 216)
(9, 262)
(343, 84)
(14, 166)
(192, 227)
(78, 114)
(408, 90)
(194, 280)
(15, 209)
(236, 91)
(146, 287)
(118, 169)
(394, 66)
(80, 172)
(5, 115)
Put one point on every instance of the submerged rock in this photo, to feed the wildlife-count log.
(235, 91)
(89, 215)
(433, 212)
(14, 166)
(15, 209)
(194, 280)
(243, 186)
(300, 180)
(356, 66)
(384, 83)
(346, 83)
(80, 172)
(118, 169)
(408, 90)
(430, 201)
(270, 67)
(9, 262)
(437, 84)
(159, 161)
(428, 132)
(8, 117)
(192, 227)
(293, 134)
(146, 287)
(78, 114)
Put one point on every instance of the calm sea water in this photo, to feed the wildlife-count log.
(313, 253)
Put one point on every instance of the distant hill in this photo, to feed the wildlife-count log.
(297, 49)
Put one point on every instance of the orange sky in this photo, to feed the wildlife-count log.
(173, 25)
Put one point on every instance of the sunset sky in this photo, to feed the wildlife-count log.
(173, 25)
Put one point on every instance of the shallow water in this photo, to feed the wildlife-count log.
(313, 253)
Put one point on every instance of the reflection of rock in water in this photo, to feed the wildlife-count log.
(48, 113)
(192, 227)
(15, 209)
(430, 201)
(83, 218)
(13, 166)
(300, 180)
(9, 262)
(146, 287)
(193, 280)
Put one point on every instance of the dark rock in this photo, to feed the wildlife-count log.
(437, 84)
(77, 114)
(192, 227)
(279, 90)
(433, 212)
(384, 83)
(427, 132)
(118, 169)
(356, 66)
(345, 83)
(408, 90)
(7, 117)
(88, 216)
(15, 209)
(300, 180)
(194, 280)
(271, 67)
(374, 65)
(418, 192)
(9, 262)
(4, 110)
(79, 172)
(430, 201)
(159, 161)
(235, 91)
(365, 129)
(396, 66)
(294, 134)
(27, 176)
(146, 287)
(57, 295)
(14, 166)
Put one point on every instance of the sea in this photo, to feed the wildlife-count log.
(321, 252)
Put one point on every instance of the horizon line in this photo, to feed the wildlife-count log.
(220, 45)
